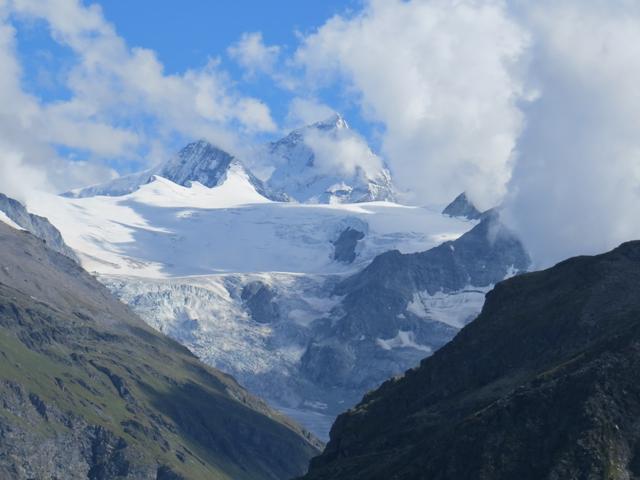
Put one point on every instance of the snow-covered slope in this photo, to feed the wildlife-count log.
(16, 215)
(327, 162)
(164, 229)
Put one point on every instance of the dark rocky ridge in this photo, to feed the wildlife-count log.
(87, 390)
(345, 245)
(542, 385)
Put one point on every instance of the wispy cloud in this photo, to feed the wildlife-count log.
(305, 111)
(253, 55)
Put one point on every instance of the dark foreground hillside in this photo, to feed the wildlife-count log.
(87, 390)
(544, 384)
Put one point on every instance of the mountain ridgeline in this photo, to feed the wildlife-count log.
(296, 177)
(542, 385)
(308, 306)
(89, 391)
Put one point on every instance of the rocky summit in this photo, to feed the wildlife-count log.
(462, 207)
(198, 161)
(542, 385)
(87, 390)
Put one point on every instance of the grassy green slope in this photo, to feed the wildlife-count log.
(110, 398)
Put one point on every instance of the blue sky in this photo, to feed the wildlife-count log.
(186, 37)
(185, 33)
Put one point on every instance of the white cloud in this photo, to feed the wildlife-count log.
(305, 111)
(17, 179)
(122, 102)
(255, 115)
(539, 99)
(576, 184)
(251, 53)
(342, 151)
(442, 76)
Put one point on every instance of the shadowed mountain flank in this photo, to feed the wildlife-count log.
(542, 385)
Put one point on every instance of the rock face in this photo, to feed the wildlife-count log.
(403, 307)
(542, 385)
(345, 245)
(462, 207)
(87, 390)
(259, 300)
(38, 226)
(204, 163)
(199, 162)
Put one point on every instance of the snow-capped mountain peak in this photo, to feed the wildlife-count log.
(208, 165)
(198, 162)
(334, 122)
(327, 162)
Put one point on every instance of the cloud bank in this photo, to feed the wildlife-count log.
(442, 77)
(343, 152)
(534, 105)
(576, 182)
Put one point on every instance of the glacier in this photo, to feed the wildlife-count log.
(309, 297)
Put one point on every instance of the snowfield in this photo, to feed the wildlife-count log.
(165, 230)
